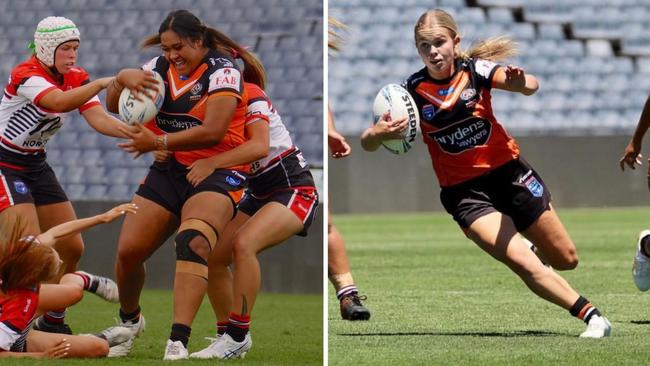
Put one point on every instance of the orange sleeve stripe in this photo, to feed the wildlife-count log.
(225, 93)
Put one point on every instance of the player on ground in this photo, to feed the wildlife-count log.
(632, 156)
(338, 264)
(39, 97)
(202, 115)
(280, 202)
(26, 261)
(489, 189)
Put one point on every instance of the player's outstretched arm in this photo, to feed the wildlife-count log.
(103, 122)
(631, 155)
(58, 350)
(66, 101)
(66, 229)
(515, 79)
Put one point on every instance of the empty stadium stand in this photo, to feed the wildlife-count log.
(592, 58)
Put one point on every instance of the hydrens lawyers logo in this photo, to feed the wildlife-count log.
(412, 131)
(463, 135)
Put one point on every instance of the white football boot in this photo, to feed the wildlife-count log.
(106, 288)
(598, 327)
(124, 348)
(641, 265)
(225, 347)
(175, 351)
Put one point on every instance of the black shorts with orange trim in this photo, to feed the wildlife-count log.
(302, 201)
(167, 185)
(514, 189)
(37, 186)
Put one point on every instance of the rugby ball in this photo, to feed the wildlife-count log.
(141, 111)
(399, 103)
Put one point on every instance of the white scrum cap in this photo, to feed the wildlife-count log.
(50, 33)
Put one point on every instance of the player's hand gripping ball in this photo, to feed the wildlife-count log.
(399, 103)
(134, 111)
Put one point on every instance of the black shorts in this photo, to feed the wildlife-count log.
(302, 201)
(514, 189)
(39, 187)
(167, 185)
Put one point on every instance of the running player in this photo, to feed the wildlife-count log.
(632, 156)
(338, 264)
(26, 261)
(280, 202)
(202, 115)
(489, 189)
(38, 98)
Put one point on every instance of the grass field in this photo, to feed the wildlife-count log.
(436, 299)
(286, 330)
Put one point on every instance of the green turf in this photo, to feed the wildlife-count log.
(286, 329)
(436, 299)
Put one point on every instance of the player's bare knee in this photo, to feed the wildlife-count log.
(567, 261)
(241, 247)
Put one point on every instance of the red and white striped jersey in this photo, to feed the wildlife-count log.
(17, 310)
(26, 126)
(260, 107)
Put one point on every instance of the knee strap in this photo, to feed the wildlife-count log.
(187, 261)
(206, 230)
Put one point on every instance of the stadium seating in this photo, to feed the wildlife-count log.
(285, 34)
(592, 58)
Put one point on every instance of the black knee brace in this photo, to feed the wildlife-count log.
(187, 261)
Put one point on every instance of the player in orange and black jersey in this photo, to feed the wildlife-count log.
(487, 187)
(203, 114)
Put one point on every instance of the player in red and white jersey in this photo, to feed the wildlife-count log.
(26, 261)
(203, 114)
(487, 187)
(280, 201)
(38, 99)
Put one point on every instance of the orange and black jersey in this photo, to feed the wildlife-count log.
(463, 137)
(186, 98)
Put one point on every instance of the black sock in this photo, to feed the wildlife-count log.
(583, 310)
(236, 333)
(133, 317)
(180, 332)
(645, 245)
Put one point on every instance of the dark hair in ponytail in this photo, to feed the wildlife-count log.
(188, 26)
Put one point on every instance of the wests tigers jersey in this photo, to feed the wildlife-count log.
(463, 137)
(26, 126)
(186, 98)
(17, 310)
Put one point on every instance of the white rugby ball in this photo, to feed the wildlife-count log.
(141, 111)
(398, 101)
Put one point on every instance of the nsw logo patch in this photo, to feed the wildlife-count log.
(428, 112)
(534, 186)
(21, 187)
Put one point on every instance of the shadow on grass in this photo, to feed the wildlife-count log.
(519, 333)
(640, 322)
